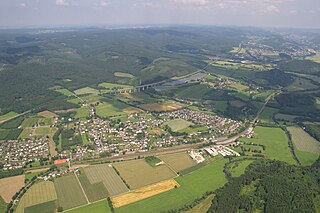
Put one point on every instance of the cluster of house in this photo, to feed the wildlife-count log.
(220, 83)
(217, 124)
(196, 155)
(222, 150)
(18, 153)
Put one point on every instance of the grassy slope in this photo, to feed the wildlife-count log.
(192, 186)
(275, 140)
(98, 207)
(240, 168)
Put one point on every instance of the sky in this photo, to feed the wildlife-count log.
(262, 13)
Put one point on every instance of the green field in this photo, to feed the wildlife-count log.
(86, 90)
(267, 115)
(65, 92)
(107, 175)
(203, 206)
(275, 140)
(82, 112)
(152, 161)
(123, 75)
(3, 205)
(315, 58)
(94, 191)
(31, 121)
(39, 193)
(192, 186)
(307, 148)
(178, 124)
(193, 92)
(47, 207)
(9, 134)
(237, 168)
(285, 117)
(7, 116)
(107, 109)
(69, 192)
(301, 84)
(178, 161)
(108, 87)
(138, 173)
(43, 131)
(98, 207)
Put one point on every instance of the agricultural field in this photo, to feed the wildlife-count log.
(65, 92)
(267, 115)
(192, 186)
(123, 75)
(7, 116)
(203, 206)
(178, 161)
(307, 148)
(143, 193)
(275, 140)
(152, 161)
(39, 193)
(285, 117)
(9, 186)
(47, 114)
(315, 58)
(163, 106)
(69, 192)
(47, 207)
(108, 176)
(138, 173)
(9, 134)
(98, 207)
(86, 90)
(178, 124)
(3, 205)
(94, 191)
(132, 110)
(106, 109)
(237, 103)
(301, 84)
(82, 112)
(237, 168)
(108, 87)
(192, 92)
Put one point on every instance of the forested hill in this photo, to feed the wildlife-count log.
(271, 186)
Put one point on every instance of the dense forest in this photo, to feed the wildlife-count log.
(271, 186)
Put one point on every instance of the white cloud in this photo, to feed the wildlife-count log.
(23, 5)
(272, 9)
(192, 2)
(152, 5)
(62, 2)
(104, 3)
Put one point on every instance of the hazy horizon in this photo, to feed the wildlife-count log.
(251, 13)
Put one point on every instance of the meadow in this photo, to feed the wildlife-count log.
(178, 161)
(203, 206)
(267, 115)
(47, 114)
(163, 106)
(123, 75)
(178, 124)
(7, 116)
(196, 91)
(275, 140)
(110, 108)
(108, 176)
(94, 191)
(86, 90)
(192, 186)
(39, 193)
(69, 192)
(9, 186)
(237, 168)
(65, 92)
(98, 207)
(138, 173)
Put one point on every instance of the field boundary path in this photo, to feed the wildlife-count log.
(81, 188)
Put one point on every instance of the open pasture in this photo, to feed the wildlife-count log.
(109, 87)
(7, 116)
(47, 114)
(82, 112)
(107, 175)
(86, 90)
(275, 140)
(65, 92)
(237, 103)
(109, 109)
(192, 91)
(285, 117)
(143, 193)
(98, 207)
(301, 84)
(315, 58)
(163, 106)
(267, 115)
(69, 192)
(9, 186)
(178, 124)
(303, 141)
(9, 134)
(47, 207)
(138, 173)
(31, 121)
(178, 161)
(39, 193)
(192, 186)
(237, 168)
(123, 75)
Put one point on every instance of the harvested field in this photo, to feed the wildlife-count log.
(164, 106)
(178, 124)
(138, 173)
(41, 192)
(303, 141)
(131, 110)
(143, 193)
(9, 186)
(178, 161)
(69, 192)
(108, 176)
